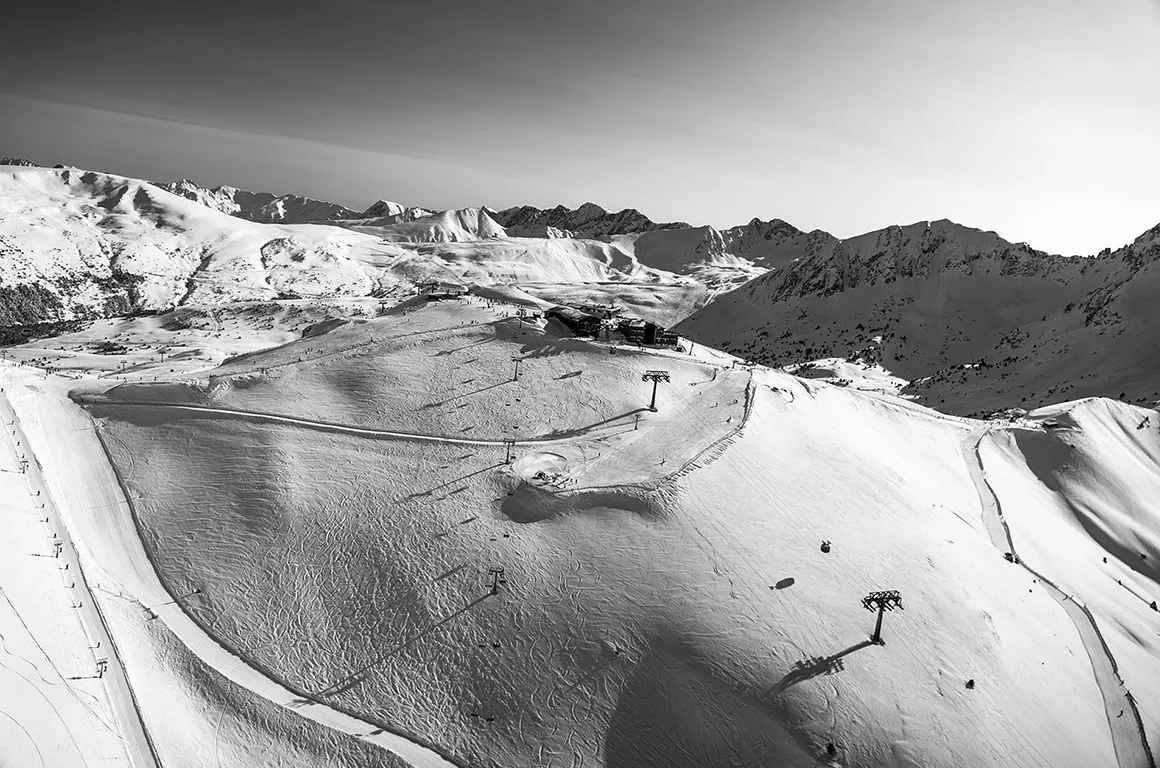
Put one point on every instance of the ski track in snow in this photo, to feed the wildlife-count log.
(1131, 747)
(306, 704)
(1128, 736)
(137, 741)
(330, 426)
(232, 666)
(391, 434)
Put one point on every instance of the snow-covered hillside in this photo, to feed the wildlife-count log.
(725, 259)
(385, 209)
(83, 244)
(323, 518)
(976, 323)
(416, 225)
(76, 244)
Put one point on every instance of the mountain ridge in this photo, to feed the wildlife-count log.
(263, 207)
(975, 322)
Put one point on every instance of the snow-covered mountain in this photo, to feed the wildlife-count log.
(726, 258)
(975, 322)
(721, 259)
(588, 221)
(382, 208)
(81, 244)
(772, 244)
(260, 206)
(387, 212)
(978, 323)
(77, 244)
(417, 225)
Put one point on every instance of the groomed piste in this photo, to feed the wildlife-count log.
(380, 545)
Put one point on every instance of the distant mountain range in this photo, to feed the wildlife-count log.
(588, 221)
(975, 322)
(721, 258)
(260, 206)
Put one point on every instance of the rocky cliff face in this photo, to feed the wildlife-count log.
(588, 221)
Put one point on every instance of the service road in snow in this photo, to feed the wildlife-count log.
(1127, 728)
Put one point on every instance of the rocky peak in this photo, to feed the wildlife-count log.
(381, 208)
(914, 251)
(588, 221)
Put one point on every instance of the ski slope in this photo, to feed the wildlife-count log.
(110, 537)
(312, 514)
(370, 591)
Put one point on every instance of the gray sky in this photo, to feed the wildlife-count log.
(1039, 119)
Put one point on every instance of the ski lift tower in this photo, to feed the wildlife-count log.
(655, 377)
(881, 602)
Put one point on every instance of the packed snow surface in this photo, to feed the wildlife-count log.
(326, 516)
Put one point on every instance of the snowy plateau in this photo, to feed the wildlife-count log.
(288, 484)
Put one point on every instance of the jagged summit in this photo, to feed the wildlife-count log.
(899, 252)
(418, 225)
(260, 206)
(1149, 239)
(385, 213)
(588, 221)
(381, 208)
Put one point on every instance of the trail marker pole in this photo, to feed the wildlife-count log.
(655, 377)
(509, 450)
(516, 376)
(881, 602)
(521, 313)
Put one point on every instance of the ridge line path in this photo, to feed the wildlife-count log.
(137, 743)
(101, 516)
(1128, 739)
